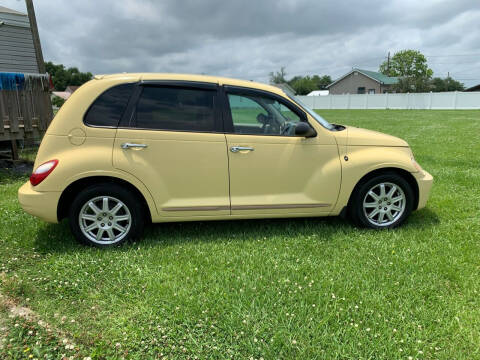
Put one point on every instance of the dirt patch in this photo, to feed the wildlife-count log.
(10, 309)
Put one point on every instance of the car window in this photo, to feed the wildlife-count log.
(175, 108)
(108, 108)
(261, 115)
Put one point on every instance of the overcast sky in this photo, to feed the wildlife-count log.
(249, 38)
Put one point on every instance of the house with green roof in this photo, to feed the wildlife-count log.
(359, 81)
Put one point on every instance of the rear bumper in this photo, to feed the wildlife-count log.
(37, 203)
(424, 181)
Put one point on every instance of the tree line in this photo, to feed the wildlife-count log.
(409, 66)
(301, 84)
(63, 77)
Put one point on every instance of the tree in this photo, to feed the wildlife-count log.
(278, 77)
(447, 84)
(407, 63)
(411, 84)
(62, 77)
(301, 84)
(57, 101)
(324, 81)
(306, 84)
(412, 69)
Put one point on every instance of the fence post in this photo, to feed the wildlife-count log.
(455, 100)
(386, 100)
(27, 113)
(14, 149)
(430, 101)
(13, 111)
(366, 101)
(329, 101)
(348, 101)
(3, 114)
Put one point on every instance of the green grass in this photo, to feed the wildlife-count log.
(28, 154)
(302, 288)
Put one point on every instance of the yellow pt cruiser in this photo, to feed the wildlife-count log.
(128, 149)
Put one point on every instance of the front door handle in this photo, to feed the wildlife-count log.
(236, 149)
(130, 145)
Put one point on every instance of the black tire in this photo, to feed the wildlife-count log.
(129, 207)
(358, 214)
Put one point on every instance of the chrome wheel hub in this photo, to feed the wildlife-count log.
(384, 204)
(104, 220)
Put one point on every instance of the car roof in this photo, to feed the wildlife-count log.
(191, 77)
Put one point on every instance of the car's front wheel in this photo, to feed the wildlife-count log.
(105, 215)
(384, 201)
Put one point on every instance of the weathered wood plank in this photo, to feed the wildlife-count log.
(13, 145)
(3, 113)
(26, 110)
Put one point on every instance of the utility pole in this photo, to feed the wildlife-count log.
(39, 55)
(35, 36)
(388, 63)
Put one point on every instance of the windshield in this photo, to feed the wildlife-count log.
(312, 113)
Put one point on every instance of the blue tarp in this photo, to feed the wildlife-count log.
(11, 81)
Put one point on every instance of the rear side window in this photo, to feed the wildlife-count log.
(176, 109)
(108, 108)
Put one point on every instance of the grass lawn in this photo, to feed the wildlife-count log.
(304, 288)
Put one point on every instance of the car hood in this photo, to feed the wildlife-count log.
(363, 137)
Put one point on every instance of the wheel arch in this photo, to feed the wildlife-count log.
(381, 171)
(75, 187)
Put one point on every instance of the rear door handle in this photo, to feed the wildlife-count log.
(131, 145)
(236, 149)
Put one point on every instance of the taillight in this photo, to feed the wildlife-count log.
(42, 172)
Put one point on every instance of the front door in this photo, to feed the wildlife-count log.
(171, 142)
(272, 171)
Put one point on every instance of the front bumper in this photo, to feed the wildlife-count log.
(40, 204)
(424, 181)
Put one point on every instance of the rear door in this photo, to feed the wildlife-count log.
(171, 139)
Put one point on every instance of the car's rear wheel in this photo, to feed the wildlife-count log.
(105, 215)
(382, 202)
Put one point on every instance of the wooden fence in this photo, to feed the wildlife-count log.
(24, 114)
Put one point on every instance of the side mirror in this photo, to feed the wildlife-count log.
(304, 129)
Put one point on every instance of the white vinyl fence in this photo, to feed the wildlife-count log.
(434, 101)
